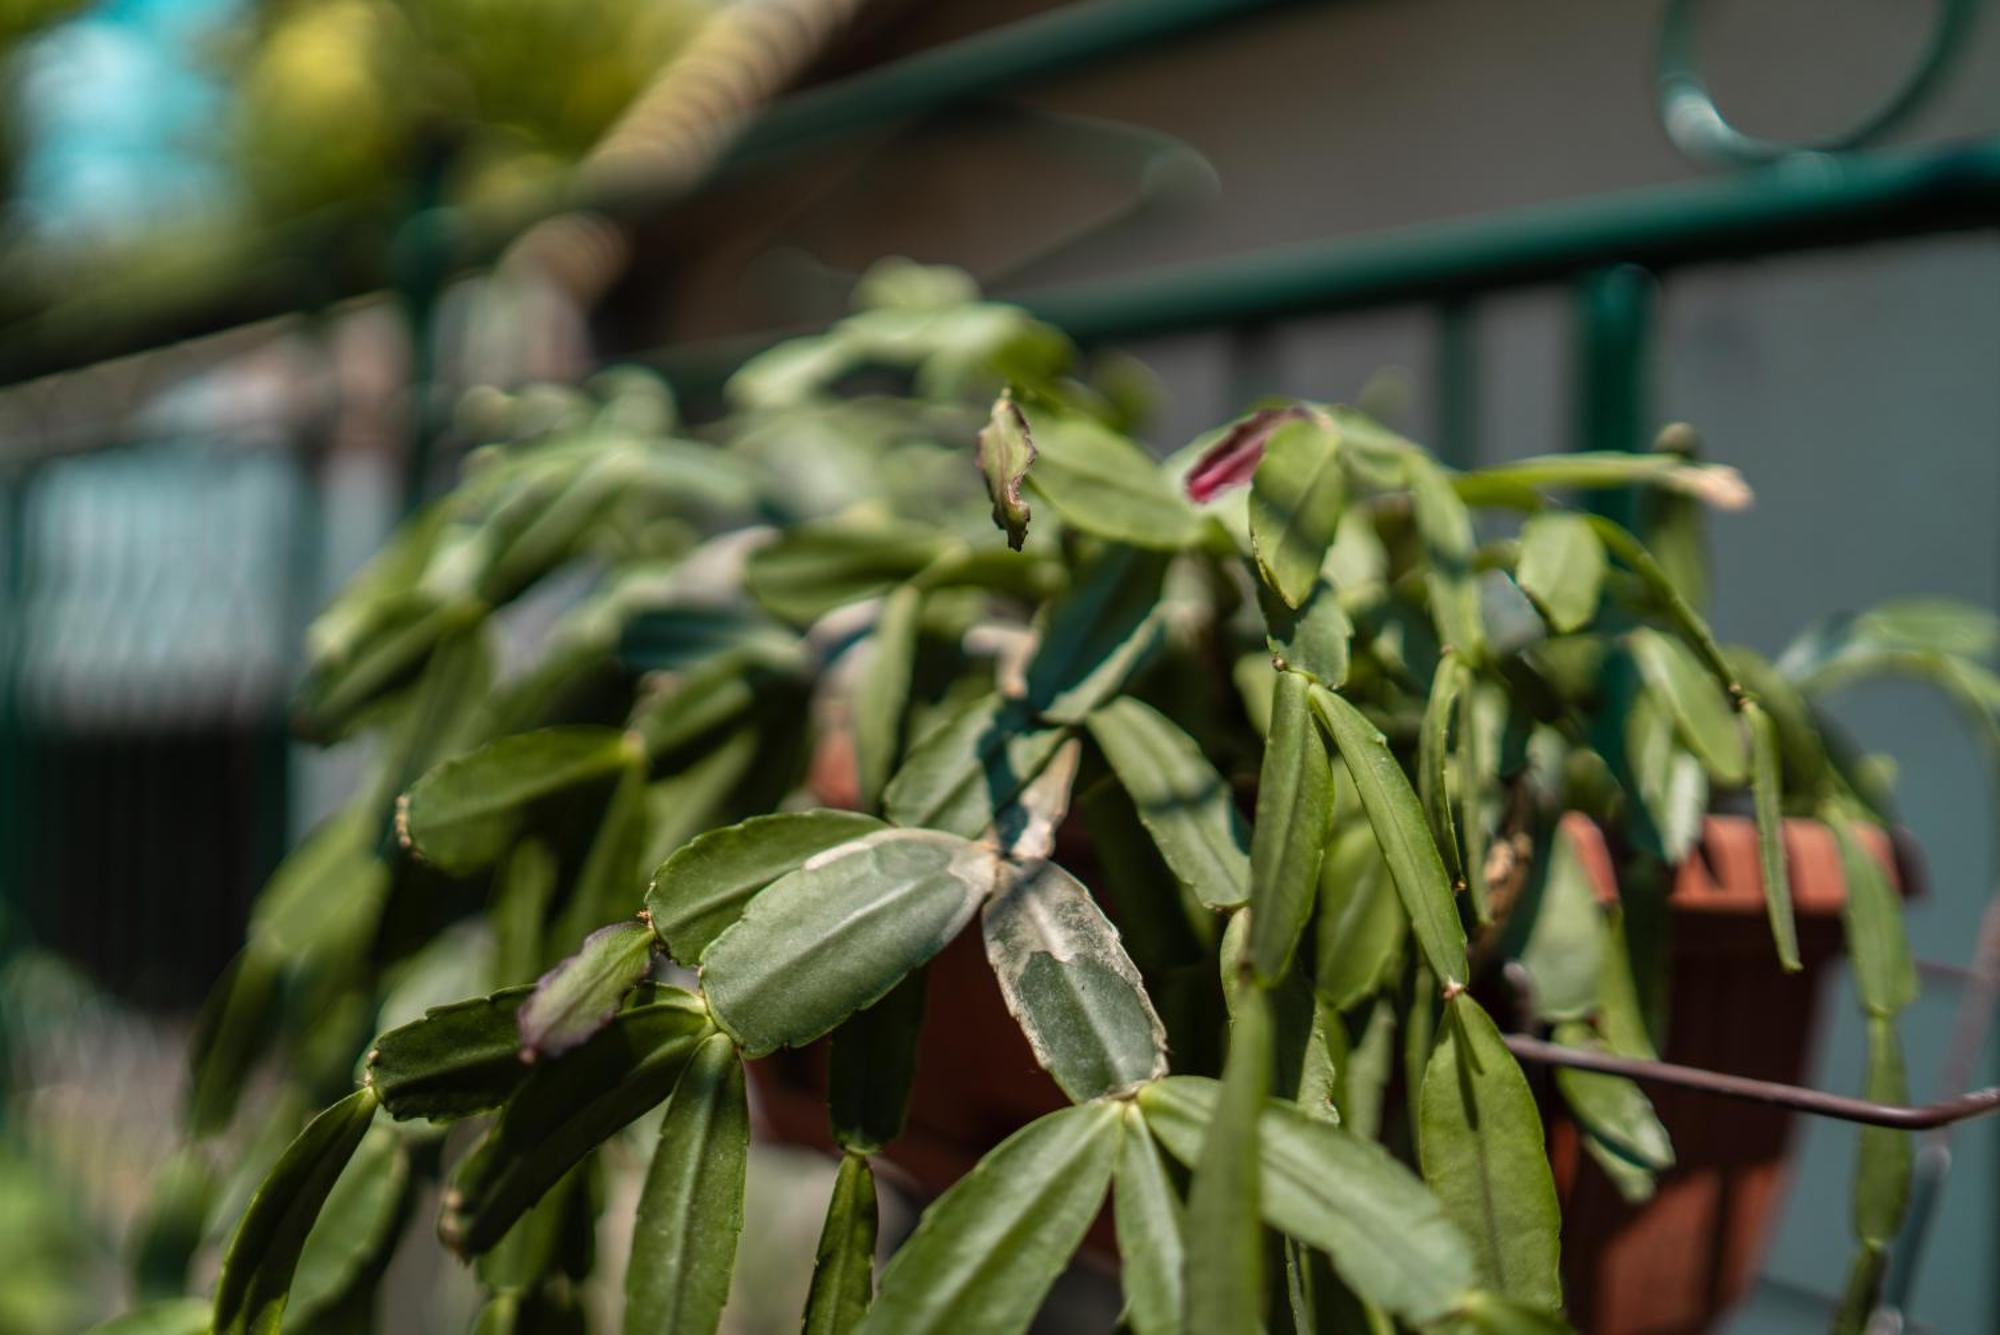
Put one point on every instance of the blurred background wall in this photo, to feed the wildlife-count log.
(1856, 389)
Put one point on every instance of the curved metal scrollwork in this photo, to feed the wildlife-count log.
(1700, 130)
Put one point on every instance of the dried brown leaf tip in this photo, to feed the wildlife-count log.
(1233, 460)
(1006, 451)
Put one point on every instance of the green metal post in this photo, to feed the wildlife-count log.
(1456, 387)
(1613, 387)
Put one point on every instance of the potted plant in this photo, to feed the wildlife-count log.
(1255, 767)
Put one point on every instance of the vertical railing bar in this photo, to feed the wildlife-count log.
(1455, 387)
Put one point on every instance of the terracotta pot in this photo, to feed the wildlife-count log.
(1678, 1261)
(1672, 1264)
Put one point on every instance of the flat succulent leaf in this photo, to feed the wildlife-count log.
(1398, 821)
(1294, 811)
(1562, 568)
(1005, 452)
(883, 692)
(1389, 1238)
(1312, 638)
(985, 1253)
(1179, 797)
(873, 1066)
(843, 1277)
(1103, 484)
(1564, 954)
(1068, 982)
(396, 639)
(263, 1254)
(1152, 1232)
(834, 936)
(458, 1060)
(1225, 1274)
(566, 1108)
(580, 995)
(357, 1229)
(1479, 1141)
(1296, 497)
(164, 1316)
(523, 890)
(1446, 529)
(464, 814)
(1360, 924)
(544, 1311)
(608, 884)
(1434, 758)
(1095, 636)
(1229, 456)
(1667, 597)
(680, 711)
(1885, 976)
(965, 771)
(1610, 1107)
(1485, 1313)
(1862, 1291)
(1672, 784)
(1690, 695)
(1884, 1158)
(817, 566)
(1025, 829)
(555, 1238)
(1767, 795)
(691, 1207)
(1908, 625)
(703, 887)
(677, 637)
(1717, 485)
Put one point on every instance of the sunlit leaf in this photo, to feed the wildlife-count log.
(580, 995)
(1067, 980)
(1103, 484)
(565, 1109)
(458, 1060)
(1388, 1237)
(1152, 1233)
(350, 1243)
(691, 1208)
(985, 1253)
(257, 1271)
(1400, 829)
(1610, 1107)
(962, 773)
(815, 567)
(1446, 528)
(1095, 636)
(873, 1066)
(1361, 923)
(1700, 710)
(463, 815)
(1294, 809)
(844, 1262)
(1480, 1144)
(1296, 499)
(1180, 799)
(704, 886)
(1766, 793)
(834, 936)
(1562, 568)
(883, 691)
(1885, 976)
(1225, 1273)
(1564, 954)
